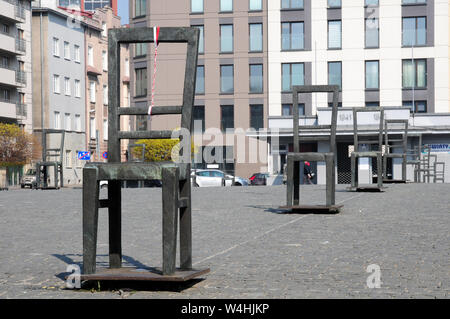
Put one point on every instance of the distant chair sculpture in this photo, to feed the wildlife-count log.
(392, 144)
(51, 157)
(439, 172)
(176, 186)
(414, 157)
(358, 141)
(295, 158)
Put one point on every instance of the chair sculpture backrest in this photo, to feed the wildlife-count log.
(403, 143)
(357, 139)
(48, 154)
(189, 35)
(296, 90)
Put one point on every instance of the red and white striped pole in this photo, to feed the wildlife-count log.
(155, 37)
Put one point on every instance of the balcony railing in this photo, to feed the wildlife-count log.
(19, 11)
(21, 45)
(4, 65)
(21, 109)
(21, 77)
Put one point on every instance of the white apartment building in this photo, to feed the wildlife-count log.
(388, 53)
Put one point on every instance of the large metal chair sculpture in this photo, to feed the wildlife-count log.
(176, 189)
(358, 141)
(294, 159)
(51, 157)
(392, 144)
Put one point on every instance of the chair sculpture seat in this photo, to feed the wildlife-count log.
(356, 154)
(396, 144)
(48, 160)
(295, 158)
(175, 176)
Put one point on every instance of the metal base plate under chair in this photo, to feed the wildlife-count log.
(394, 181)
(367, 189)
(314, 209)
(146, 274)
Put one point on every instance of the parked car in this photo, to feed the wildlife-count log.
(29, 179)
(215, 178)
(259, 179)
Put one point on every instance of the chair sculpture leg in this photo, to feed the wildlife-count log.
(186, 226)
(170, 198)
(380, 170)
(290, 182)
(296, 182)
(404, 168)
(331, 182)
(353, 168)
(115, 224)
(90, 219)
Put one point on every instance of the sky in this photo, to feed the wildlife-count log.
(123, 11)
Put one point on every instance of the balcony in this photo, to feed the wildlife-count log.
(21, 77)
(21, 109)
(7, 75)
(21, 46)
(7, 108)
(8, 43)
(11, 10)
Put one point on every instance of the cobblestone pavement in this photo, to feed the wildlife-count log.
(253, 249)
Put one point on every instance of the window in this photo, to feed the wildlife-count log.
(197, 6)
(371, 3)
(57, 120)
(68, 159)
(77, 53)
(334, 34)
(414, 1)
(67, 122)
(292, 74)
(67, 86)
(77, 88)
(105, 61)
(92, 92)
(255, 5)
(198, 114)
(226, 117)
(414, 74)
(140, 50)
(56, 84)
(55, 46)
(105, 130)
(256, 78)
(335, 73)
(226, 38)
(292, 36)
(257, 116)
(419, 106)
(226, 5)
(256, 37)
(372, 104)
(372, 75)
(140, 8)
(291, 4)
(104, 29)
(105, 95)
(200, 82)
(201, 40)
(286, 109)
(127, 67)
(92, 128)
(141, 82)
(226, 79)
(5, 95)
(4, 28)
(334, 3)
(77, 122)
(414, 31)
(66, 50)
(372, 33)
(90, 56)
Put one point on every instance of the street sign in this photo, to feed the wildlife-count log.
(105, 155)
(84, 156)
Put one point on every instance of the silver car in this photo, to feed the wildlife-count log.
(29, 179)
(215, 178)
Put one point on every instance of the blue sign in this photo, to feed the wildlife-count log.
(84, 156)
(105, 155)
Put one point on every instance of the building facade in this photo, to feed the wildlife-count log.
(59, 84)
(388, 53)
(96, 44)
(232, 83)
(88, 5)
(15, 71)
